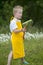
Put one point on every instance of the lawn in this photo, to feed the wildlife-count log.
(33, 50)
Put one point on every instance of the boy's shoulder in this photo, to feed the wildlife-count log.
(13, 20)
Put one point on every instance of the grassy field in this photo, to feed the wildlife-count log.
(33, 50)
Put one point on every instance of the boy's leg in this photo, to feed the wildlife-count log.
(23, 61)
(9, 58)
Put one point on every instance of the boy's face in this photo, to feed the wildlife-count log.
(18, 14)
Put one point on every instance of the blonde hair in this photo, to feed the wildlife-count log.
(15, 9)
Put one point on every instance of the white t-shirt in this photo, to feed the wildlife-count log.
(13, 24)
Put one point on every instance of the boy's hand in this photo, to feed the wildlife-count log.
(24, 29)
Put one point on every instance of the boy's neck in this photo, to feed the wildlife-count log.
(16, 19)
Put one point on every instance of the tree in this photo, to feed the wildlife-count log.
(32, 9)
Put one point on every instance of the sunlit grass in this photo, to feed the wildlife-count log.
(33, 50)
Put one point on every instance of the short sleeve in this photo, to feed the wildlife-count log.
(13, 25)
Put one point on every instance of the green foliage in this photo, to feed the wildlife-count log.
(32, 9)
(33, 51)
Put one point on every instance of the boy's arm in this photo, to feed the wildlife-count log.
(22, 30)
(17, 31)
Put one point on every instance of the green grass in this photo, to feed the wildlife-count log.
(32, 29)
(4, 29)
(33, 50)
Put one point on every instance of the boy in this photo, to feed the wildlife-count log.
(17, 34)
